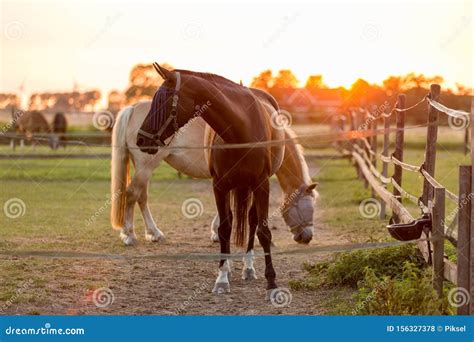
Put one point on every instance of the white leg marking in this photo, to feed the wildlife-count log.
(248, 271)
(222, 282)
(214, 229)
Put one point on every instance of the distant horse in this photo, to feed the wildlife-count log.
(59, 130)
(33, 122)
(237, 116)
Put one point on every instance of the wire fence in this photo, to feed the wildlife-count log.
(431, 202)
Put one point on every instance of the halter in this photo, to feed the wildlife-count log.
(294, 215)
(160, 99)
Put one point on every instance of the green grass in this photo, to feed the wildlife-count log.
(61, 195)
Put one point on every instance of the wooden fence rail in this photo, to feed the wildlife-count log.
(432, 200)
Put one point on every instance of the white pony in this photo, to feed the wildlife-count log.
(297, 208)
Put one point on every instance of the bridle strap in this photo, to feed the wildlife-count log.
(173, 116)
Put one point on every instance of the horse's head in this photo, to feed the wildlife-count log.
(171, 109)
(298, 212)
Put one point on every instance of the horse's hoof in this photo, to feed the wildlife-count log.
(214, 237)
(221, 288)
(249, 274)
(129, 240)
(154, 237)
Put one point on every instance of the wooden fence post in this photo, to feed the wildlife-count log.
(430, 151)
(471, 224)
(438, 239)
(354, 128)
(386, 145)
(464, 234)
(363, 125)
(373, 144)
(466, 139)
(399, 140)
(342, 127)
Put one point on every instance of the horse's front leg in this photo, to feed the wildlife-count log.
(262, 194)
(225, 228)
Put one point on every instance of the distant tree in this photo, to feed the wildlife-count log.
(314, 83)
(393, 85)
(463, 90)
(263, 81)
(285, 79)
(65, 102)
(116, 100)
(9, 101)
(413, 80)
(143, 82)
(363, 94)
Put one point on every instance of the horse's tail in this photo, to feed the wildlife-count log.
(120, 171)
(242, 199)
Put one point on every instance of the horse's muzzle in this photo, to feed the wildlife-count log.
(305, 235)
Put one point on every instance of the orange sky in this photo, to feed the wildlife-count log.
(52, 45)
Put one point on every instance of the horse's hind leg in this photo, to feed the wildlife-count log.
(225, 228)
(214, 229)
(248, 271)
(133, 193)
(261, 197)
(152, 233)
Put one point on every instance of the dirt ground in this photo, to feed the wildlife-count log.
(150, 286)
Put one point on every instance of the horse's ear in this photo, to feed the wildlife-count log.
(163, 72)
(241, 83)
(311, 187)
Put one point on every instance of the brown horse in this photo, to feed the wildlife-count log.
(33, 122)
(237, 116)
(59, 128)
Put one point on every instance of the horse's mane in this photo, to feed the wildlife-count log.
(299, 150)
(213, 78)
